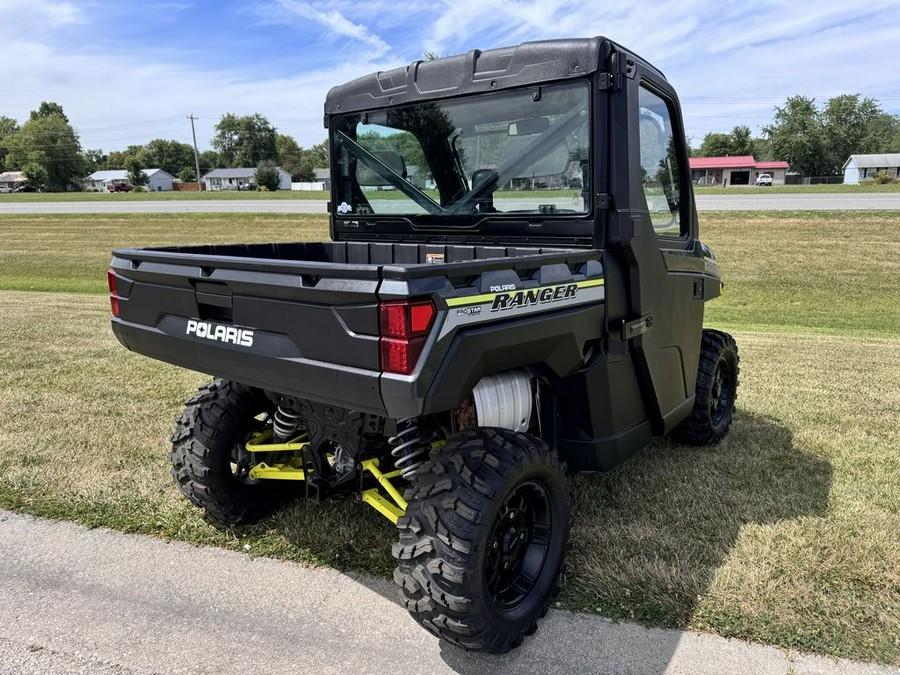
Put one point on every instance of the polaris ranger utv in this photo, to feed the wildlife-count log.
(513, 291)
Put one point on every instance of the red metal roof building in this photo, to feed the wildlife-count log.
(736, 170)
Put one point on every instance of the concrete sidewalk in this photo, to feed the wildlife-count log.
(74, 600)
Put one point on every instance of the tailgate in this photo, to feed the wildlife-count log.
(307, 329)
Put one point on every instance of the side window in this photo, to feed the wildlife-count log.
(659, 164)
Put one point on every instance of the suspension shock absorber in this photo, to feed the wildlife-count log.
(285, 423)
(410, 449)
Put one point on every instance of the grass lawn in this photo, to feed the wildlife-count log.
(170, 195)
(785, 533)
(795, 189)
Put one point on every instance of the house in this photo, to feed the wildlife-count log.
(323, 176)
(739, 170)
(157, 180)
(862, 167)
(12, 179)
(241, 179)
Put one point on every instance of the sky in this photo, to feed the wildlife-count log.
(128, 72)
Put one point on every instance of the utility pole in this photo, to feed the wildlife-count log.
(196, 154)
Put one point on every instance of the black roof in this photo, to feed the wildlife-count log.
(473, 72)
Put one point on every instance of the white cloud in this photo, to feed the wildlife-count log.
(332, 20)
(731, 64)
(19, 15)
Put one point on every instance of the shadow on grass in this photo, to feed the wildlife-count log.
(649, 537)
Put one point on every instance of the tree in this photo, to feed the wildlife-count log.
(245, 140)
(293, 159)
(320, 155)
(796, 135)
(171, 156)
(849, 126)
(739, 142)
(51, 142)
(209, 160)
(894, 144)
(267, 176)
(136, 175)
(95, 160)
(763, 150)
(48, 109)
(883, 133)
(118, 159)
(8, 126)
(35, 175)
(715, 145)
(742, 141)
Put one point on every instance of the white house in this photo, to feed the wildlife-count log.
(12, 179)
(157, 179)
(862, 167)
(241, 179)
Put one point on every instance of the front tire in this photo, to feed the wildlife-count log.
(717, 382)
(208, 457)
(483, 539)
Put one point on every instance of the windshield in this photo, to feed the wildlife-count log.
(522, 152)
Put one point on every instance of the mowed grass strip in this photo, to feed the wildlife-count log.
(72, 252)
(829, 271)
(785, 533)
(839, 188)
(168, 196)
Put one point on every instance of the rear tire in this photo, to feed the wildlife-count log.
(209, 461)
(717, 382)
(483, 539)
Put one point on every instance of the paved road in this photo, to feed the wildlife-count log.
(799, 202)
(74, 600)
(748, 202)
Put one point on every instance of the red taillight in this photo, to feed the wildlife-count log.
(113, 293)
(393, 320)
(404, 328)
(421, 315)
(406, 319)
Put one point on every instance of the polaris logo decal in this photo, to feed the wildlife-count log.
(242, 337)
(536, 296)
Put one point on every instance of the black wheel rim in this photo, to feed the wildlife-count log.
(518, 545)
(721, 393)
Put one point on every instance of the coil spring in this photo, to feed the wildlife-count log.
(410, 449)
(285, 423)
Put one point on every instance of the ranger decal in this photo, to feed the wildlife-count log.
(534, 296)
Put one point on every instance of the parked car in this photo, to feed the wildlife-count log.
(764, 179)
(26, 188)
(119, 187)
(5, 188)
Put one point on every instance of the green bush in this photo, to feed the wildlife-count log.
(882, 177)
(267, 176)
